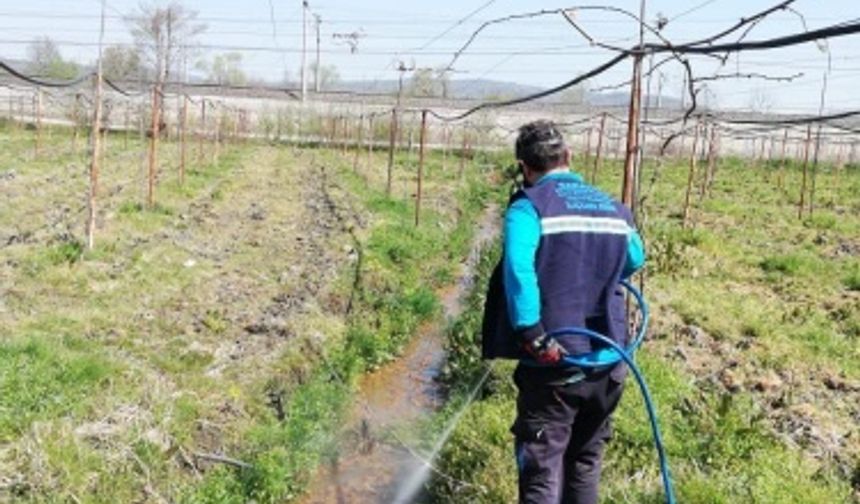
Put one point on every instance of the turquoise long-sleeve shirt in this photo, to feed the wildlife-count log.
(522, 232)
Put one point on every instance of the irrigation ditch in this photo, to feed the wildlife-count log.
(374, 464)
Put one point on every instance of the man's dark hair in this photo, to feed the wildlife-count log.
(540, 145)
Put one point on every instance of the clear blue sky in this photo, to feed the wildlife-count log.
(543, 51)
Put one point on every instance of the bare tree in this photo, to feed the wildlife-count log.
(328, 75)
(429, 82)
(761, 101)
(225, 70)
(162, 36)
(121, 63)
(45, 60)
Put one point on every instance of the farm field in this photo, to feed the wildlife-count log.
(211, 348)
(191, 355)
(753, 357)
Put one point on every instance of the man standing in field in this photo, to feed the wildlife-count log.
(566, 247)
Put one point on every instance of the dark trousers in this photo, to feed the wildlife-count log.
(560, 432)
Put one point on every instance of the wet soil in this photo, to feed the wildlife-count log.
(372, 467)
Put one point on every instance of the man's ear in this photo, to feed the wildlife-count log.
(567, 155)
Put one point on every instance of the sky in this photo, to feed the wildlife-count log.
(542, 51)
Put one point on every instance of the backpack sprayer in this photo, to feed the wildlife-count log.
(613, 354)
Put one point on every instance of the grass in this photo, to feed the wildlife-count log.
(214, 321)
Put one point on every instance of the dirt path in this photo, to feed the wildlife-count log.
(367, 469)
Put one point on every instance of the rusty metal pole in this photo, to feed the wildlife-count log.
(802, 203)
(599, 153)
(392, 137)
(422, 147)
(691, 176)
(153, 151)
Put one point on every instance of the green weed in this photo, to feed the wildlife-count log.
(42, 380)
(68, 252)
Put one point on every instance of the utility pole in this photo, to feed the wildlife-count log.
(318, 20)
(95, 137)
(304, 49)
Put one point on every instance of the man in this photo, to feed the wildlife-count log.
(566, 247)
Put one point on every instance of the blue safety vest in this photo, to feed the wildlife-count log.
(579, 263)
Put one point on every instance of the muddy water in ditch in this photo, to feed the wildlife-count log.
(372, 471)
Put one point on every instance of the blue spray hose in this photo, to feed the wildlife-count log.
(614, 354)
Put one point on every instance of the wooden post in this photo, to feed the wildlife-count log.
(587, 153)
(104, 146)
(75, 126)
(359, 143)
(802, 203)
(422, 146)
(218, 138)
(814, 170)
(344, 144)
(392, 136)
(628, 188)
(21, 107)
(780, 179)
(707, 179)
(153, 148)
(597, 155)
(126, 126)
(201, 130)
(37, 102)
(94, 161)
(141, 114)
(770, 151)
(183, 123)
(446, 146)
(371, 137)
(236, 121)
(463, 153)
(691, 177)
